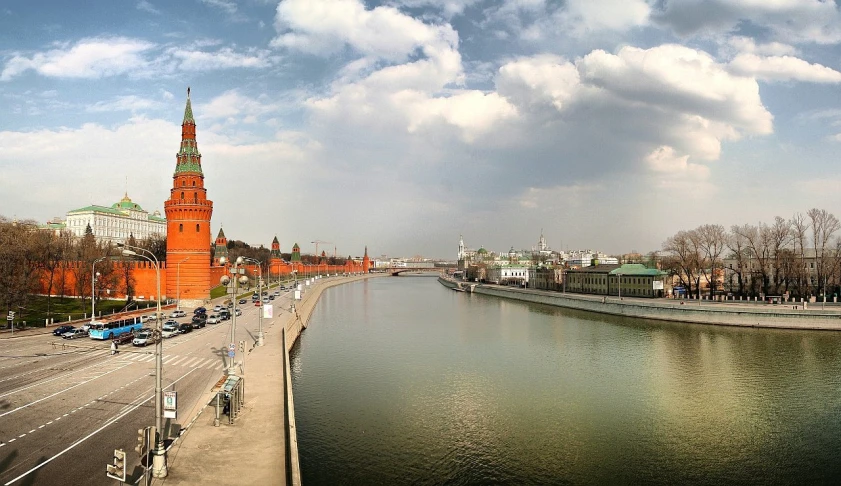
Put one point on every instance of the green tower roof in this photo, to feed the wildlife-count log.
(188, 111)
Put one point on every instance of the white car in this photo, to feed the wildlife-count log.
(217, 308)
(143, 339)
(213, 319)
(150, 317)
(177, 313)
(169, 331)
(75, 333)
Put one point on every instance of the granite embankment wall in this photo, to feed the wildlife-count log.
(779, 316)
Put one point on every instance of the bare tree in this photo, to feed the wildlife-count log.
(738, 246)
(758, 242)
(683, 259)
(800, 235)
(824, 226)
(780, 237)
(711, 239)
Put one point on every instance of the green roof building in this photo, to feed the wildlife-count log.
(116, 223)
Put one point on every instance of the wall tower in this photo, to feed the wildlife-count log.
(366, 262)
(220, 249)
(188, 214)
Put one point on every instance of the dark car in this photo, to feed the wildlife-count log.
(283, 287)
(265, 292)
(243, 301)
(271, 297)
(200, 319)
(224, 315)
(61, 330)
(185, 328)
(124, 338)
(200, 310)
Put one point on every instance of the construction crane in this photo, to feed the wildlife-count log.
(319, 242)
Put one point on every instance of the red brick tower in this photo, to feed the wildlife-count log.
(366, 262)
(188, 214)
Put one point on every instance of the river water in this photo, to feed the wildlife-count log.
(400, 380)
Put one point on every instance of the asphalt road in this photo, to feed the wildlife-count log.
(63, 410)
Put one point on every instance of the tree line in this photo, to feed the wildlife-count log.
(800, 256)
(29, 256)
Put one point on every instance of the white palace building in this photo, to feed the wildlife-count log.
(117, 222)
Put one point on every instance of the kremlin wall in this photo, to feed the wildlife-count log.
(189, 268)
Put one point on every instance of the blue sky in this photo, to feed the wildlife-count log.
(401, 124)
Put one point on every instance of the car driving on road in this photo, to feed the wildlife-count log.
(61, 330)
(185, 328)
(170, 330)
(177, 313)
(144, 339)
(199, 320)
(124, 338)
(214, 319)
(75, 333)
(243, 301)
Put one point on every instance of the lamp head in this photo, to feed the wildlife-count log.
(225, 280)
(239, 260)
(128, 253)
(222, 260)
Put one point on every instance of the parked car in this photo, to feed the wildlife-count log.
(144, 339)
(171, 322)
(124, 338)
(243, 301)
(177, 313)
(169, 330)
(75, 333)
(213, 319)
(185, 328)
(150, 317)
(217, 308)
(61, 330)
(200, 310)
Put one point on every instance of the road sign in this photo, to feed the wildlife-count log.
(231, 347)
(170, 404)
(231, 353)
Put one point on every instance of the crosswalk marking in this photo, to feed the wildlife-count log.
(178, 360)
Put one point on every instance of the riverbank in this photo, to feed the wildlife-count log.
(774, 316)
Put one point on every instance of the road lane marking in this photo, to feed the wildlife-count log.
(193, 362)
(83, 439)
(175, 363)
(33, 430)
(47, 381)
(57, 393)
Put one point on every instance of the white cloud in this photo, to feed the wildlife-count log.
(665, 160)
(223, 58)
(95, 58)
(743, 44)
(449, 8)
(226, 6)
(147, 7)
(130, 103)
(90, 58)
(782, 68)
(788, 20)
(617, 15)
(327, 26)
(675, 77)
(232, 104)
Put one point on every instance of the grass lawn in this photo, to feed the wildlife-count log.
(35, 311)
(218, 292)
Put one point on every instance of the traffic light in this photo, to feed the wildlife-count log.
(118, 469)
(140, 448)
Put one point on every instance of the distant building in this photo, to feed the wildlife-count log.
(631, 280)
(116, 223)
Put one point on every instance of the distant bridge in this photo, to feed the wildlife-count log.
(395, 271)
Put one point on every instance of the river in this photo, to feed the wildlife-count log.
(400, 380)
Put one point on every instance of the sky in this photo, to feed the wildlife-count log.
(401, 124)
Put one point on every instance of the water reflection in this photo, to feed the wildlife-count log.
(401, 381)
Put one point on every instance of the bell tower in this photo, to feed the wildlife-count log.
(188, 214)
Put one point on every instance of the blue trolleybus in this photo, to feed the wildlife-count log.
(108, 330)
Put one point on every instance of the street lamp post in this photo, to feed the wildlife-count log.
(178, 283)
(619, 276)
(159, 469)
(260, 292)
(232, 367)
(93, 285)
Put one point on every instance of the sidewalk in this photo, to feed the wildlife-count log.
(253, 449)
